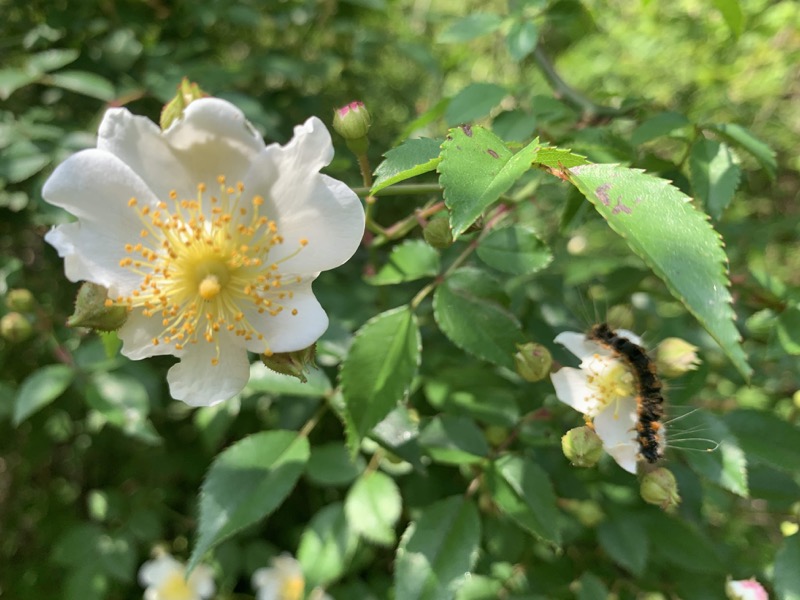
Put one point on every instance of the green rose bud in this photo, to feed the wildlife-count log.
(352, 123)
(15, 327)
(588, 512)
(620, 316)
(582, 446)
(188, 92)
(675, 357)
(533, 361)
(20, 300)
(438, 233)
(95, 310)
(294, 364)
(660, 488)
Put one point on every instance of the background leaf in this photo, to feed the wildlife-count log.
(469, 27)
(742, 137)
(411, 158)
(437, 551)
(408, 261)
(787, 576)
(246, 482)
(40, 389)
(473, 102)
(676, 241)
(327, 546)
(715, 175)
(378, 370)
(516, 250)
(373, 506)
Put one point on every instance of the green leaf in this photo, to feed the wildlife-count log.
(522, 490)
(559, 158)
(470, 27)
(454, 440)
(516, 250)
(514, 125)
(766, 438)
(473, 102)
(330, 465)
(409, 261)
(468, 313)
(378, 370)
(732, 13)
(245, 483)
(738, 135)
(266, 381)
(83, 82)
(409, 159)
(591, 587)
(327, 546)
(789, 330)
(714, 174)
(13, 79)
(681, 544)
(658, 126)
(39, 389)
(725, 464)
(373, 506)
(476, 169)
(123, 402)
(787, 575)
(625, 541)
(473, 390)
(661, 226)
(22, 160)
(522, 38)
(437, 551)
(53, 59)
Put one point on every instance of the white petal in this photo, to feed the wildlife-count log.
(214, 138)
(310, 147)
(629, 335)
(137, 336)
(198, 382)
(616, 426)
(310, 206)
(90, 254)
(153, 572)
(202, 581)
(138, 142)
(580, 345)
(264, 576)
(572, 388)
(286, 332)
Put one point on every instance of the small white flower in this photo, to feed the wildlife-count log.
(210, 237)
(746, 589)
(163, 579)
(604, 390)
(283, 581)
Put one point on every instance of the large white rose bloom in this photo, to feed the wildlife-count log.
(209, 236)
(163, 579)
(603, 389)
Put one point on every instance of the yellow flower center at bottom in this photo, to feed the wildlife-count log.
(175, 587)
(610, 381)
(204, 265)
(292, 588)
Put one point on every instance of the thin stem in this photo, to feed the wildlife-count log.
(312, 422)
(408, 189)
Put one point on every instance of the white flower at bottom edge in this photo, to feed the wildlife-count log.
(283, 581)
(745, 589)
(603, 389)
(210, 237)
(163, 579)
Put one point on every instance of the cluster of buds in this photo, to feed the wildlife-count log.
(16, 325)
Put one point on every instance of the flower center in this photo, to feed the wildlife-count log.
(292, 588)
(205, 269)
(174, 587)
(610, 380)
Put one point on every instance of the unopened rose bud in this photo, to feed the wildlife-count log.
(188, 92)
(746, 589)
(295, 363)
(675, 357)
(20, 300)
(588, 512)
(660, 488)
(352, 123)
(533, 361)
(582, 446)
(93, 309)
(438, 233)
(15, 327)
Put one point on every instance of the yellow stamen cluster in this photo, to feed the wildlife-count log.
(611, 380)
(204, 263)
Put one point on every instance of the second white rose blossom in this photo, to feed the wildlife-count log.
(209, 236)
(603, 389)
(284, 580)
(164, 579)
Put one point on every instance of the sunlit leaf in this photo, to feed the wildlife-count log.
(470, 27)
(408, 261)
(411, 158)
(373, 506)
(516, 250)
(473, 102)
(715, 175)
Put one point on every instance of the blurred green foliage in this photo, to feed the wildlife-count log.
(98, 464)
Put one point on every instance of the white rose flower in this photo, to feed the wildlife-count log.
(210, 238)
(604, 390)
(283, 581)
(163, 579)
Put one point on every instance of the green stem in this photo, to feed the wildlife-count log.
(312, 422)
(408, 189)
